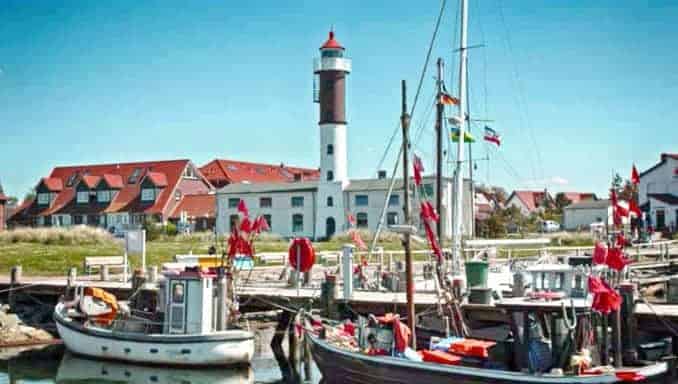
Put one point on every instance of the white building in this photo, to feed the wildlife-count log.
(658, 192)
(586, 212)
(319, 209)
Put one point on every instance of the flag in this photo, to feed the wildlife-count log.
(615, 259)
(605, 299)
(428, 212)
(246, 225)
(260, 225)
(351, 219)
(432, 240)
(492, 136)
(418, 169)
(357, 240)
(635, 177)
(242, 208)
(634, 208)
(446, 99)
(468, 138)
(599, 253)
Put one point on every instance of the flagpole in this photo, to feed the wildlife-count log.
(459, 180)
(439, 151)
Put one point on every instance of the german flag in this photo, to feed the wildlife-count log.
(446, 98)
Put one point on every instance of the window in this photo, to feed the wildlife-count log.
(178, 293)
(394, 200)
(177, 195)
(297, 223)
(265, 202)
(392, 218)
(233, 202)
(297, 201)
(134, 177)
(44, 198)
(426, 190)
(148, 194)
(189, 173)
(82, 197)
(330, 201)
(78, 219)
(361, 200)
(361, 220)
(330, 149)
(330, 175)
(332, 53)
(105, 196)
(268, 221)
(660, 219)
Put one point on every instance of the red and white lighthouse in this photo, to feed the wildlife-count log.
(331, 69)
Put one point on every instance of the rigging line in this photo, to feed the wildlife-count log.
(521, 91)
(424, 122)
(483, 42)
(414, 105)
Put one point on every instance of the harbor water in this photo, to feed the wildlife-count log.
(54, 364)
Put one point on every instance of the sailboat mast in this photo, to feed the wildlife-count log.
(439, 149)
(409, 274)
(459, 179)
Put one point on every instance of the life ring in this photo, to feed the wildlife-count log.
(306, 256)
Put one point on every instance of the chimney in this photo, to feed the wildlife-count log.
(381, 174)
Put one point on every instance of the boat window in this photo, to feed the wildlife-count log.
(178, 293)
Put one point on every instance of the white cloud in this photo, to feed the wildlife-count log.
(557, 180)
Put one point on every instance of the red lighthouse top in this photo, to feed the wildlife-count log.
(331, 43)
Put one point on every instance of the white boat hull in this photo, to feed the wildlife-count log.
(229, 347)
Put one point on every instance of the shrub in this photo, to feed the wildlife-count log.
(171, 229)
(75, 235)
(153, 229)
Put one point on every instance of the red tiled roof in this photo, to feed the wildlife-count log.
(196, 206)
(531, 199)
(158, 179)
(222, 171)
(3, 197)
(91, 181)
(575, 197)
(53, 184)
(331, 43)
(113, 181)
(127, 199)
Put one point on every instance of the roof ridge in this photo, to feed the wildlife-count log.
(101, 165)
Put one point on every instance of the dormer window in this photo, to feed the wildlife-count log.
(44, 198)
(189, 172)
(134, 177)
(330, 149)
(104, 196)
(82, 197)
(148, 194)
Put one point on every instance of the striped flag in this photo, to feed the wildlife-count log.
(468, 138)
(492, 136)
(447, 99)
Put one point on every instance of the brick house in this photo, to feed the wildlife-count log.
(222, 172)
(113, 196)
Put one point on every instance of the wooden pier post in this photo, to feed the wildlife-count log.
(293, 347)
(72, 276)
(15, 279)
(153, 274)
(276, 345)
(628, 323)
(604, 345)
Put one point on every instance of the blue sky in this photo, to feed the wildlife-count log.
(576, 88)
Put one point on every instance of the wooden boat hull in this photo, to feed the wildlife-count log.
(341, 366)
(230, 347)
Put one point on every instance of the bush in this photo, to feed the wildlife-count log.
(171, 229)
(367, 236)
(75, 235)
(153, 229)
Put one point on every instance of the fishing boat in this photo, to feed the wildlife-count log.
(77, 369)
(187, 326)
(552, 332)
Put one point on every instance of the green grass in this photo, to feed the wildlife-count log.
(40, 258)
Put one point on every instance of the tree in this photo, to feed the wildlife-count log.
(30, 195)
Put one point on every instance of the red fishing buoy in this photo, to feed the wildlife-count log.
(306, 254)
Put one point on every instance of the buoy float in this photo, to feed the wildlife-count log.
(306, 254)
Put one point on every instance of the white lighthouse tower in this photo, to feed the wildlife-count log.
(331, 70)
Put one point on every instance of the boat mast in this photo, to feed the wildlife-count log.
(405, 122)
(439, 150)
(459, 179)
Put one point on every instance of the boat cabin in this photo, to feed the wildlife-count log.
(187, 300)
(556, 278)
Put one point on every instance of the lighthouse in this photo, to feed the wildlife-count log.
(331, 69)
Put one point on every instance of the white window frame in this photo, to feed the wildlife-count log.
(301, 229)
(44, 198)
(82, 197)
(148, 194)
(104, 196)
